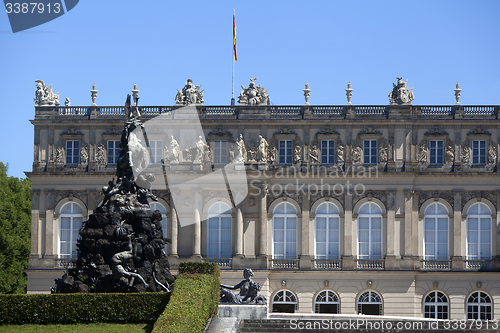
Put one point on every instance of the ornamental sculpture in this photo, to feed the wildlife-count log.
(253, 95)
(45, 95)
(262, 149)
(400, 94)
(242, 152)
(249, 291)
(190, 94)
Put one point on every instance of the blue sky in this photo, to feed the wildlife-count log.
(159, 44)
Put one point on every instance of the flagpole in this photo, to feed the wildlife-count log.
(232, 91)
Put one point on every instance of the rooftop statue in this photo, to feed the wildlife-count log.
(400, 94)
(45, 95)
(253, 95)
(248, 291)
(190, 94)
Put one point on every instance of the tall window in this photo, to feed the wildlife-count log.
(163, 211)
(436, 152)
(220, 152)
(479, 232)
(370, 303)
(326, 302)
(219, 231)
(370, 152)
(285, 151)
(285, 231)
(113, 151)
(436, 232)
(370, 231)
(479, 306)
(327, 152)
(72, 151)
(436, 305)
(70, 222)
(479, 152)
(284, 301)
(155, 151)
(327, 222)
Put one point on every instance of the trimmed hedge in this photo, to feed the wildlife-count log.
(81, 308)
(194, 300)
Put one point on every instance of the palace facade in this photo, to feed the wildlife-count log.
(381, 210)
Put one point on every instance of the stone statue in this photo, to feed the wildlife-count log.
(248, 291)
(458, 92)
(190, 94)
(45, 95)
(101, 155)
(93, 94)
(253, 95)
(119, 262)
(340, 153)
(400, 93)
(313, 154)
(423, 152)
(262, 150)
(67, 102)
(297, 155)
(242, 152)
(307, 93)
(84, 155)
(348, 93)
(172, 155)
(59, 155)
(201, 148)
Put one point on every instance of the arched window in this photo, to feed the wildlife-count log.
(163, 211)
(479, 306)
(285, 231)
(370, 231)
(284, 301)
(70, 222)
(479, 232)
(327, 224)
(219, 231)
(370, 303)
(436, 232)
(326, 302)
(436, 305)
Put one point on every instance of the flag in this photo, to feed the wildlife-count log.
(234, 38)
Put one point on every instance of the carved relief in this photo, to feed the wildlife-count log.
(101, 154)
(340, 151)
(492, 153)
(84, 155)
(423, 152)
(357, 152)
(491, 196)
(450, 151)
(466, 153)
(59, 155)
(448, 196)
(272, 196)
(314, 154)
(297, 155)
(383, 150)
(380, 195)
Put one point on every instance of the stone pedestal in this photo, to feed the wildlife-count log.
(242, 311)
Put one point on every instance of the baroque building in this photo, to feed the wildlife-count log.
(381, 210)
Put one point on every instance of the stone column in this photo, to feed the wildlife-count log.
(305, 257)
(407, 254)
(173, 232)
(197, 224)
(263, 221)
(348, 257)
(457, 259)
(391, 228)
(239, 227)
(49, 252)
(35, 230)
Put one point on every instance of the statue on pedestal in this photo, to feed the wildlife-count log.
(248, 291)
(242, 152)
(253, 95)
(400, 94)
(201, 151)
(190, 94)
(262, 150)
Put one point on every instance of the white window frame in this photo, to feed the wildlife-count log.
(327, 151)
(479, 243)
(370, 217)
(113, 151)
(434, 305)
(286, 217)
(72, 241)
(368, 157)
(331, 298)
(285, 296)
(220, 152)
(427, 243)
(219, 244)
(479, 153)
(436, 153)
(478, 313)
(326, 231)
(154, 206)
(371, 294)
(285, 151)
(155, 151)
(72, 152)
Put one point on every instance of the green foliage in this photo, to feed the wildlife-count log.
(194, 300)
(15, 226)
(81, 308)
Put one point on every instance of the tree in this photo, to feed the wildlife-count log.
(15, 222)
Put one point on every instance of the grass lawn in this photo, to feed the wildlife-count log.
(86, 328)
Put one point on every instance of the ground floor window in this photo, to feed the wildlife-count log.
(436, 305)
(326, 302)
(479, 306)
(284, 301)
(370, 303)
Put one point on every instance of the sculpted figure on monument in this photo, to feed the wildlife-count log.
(172, 155)
(190, 94)
(262, 150)
(248, 291)
(242, 152)
(201, 150)
(45, 95)
(253, 95)
(400, 94)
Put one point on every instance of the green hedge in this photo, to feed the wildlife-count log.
(81, 308)
(194, 300)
